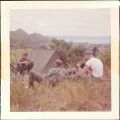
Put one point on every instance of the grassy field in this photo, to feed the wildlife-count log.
(68, 95)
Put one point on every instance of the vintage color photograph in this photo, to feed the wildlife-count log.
(60, 60)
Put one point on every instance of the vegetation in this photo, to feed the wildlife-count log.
(23, 45)
(72, 54)
(105, 56)
(68, 95)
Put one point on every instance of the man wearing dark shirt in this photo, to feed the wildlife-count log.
(23, 63)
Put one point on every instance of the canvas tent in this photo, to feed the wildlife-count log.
(44, 59)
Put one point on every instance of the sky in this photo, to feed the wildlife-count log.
(69, 22)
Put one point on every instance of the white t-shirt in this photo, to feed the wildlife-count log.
(96, 65)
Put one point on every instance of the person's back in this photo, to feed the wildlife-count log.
(96, 66)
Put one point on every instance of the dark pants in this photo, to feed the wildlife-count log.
(23, 67)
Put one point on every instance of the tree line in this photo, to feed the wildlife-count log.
(70, 52)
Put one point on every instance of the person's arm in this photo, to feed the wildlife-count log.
(19, 62)
(86, 69)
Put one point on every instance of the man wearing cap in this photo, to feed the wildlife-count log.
(93, 66)
(54, 74)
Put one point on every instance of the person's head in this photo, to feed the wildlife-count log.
(25, 55)
(82, 65)
(88, 55)
(58, 63)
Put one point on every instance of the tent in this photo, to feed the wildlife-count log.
(44, 59)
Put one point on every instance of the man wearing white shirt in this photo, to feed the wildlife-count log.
(93, 66)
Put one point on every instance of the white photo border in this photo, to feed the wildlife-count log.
(6, 6)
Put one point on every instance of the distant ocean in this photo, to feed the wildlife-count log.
(83, 39)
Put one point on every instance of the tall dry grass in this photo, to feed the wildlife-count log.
(69, 95)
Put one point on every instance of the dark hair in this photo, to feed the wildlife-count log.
(25, 54)
(82, 65)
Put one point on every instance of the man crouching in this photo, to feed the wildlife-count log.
(24, 64)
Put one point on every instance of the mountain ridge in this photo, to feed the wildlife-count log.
(20, 37)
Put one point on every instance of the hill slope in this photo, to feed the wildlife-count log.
(20, 37)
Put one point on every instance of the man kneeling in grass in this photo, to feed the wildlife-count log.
(24, 64)
(54, 74)
(93, 66)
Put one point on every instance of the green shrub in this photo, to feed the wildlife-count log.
(105, 56)
(72, 54)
